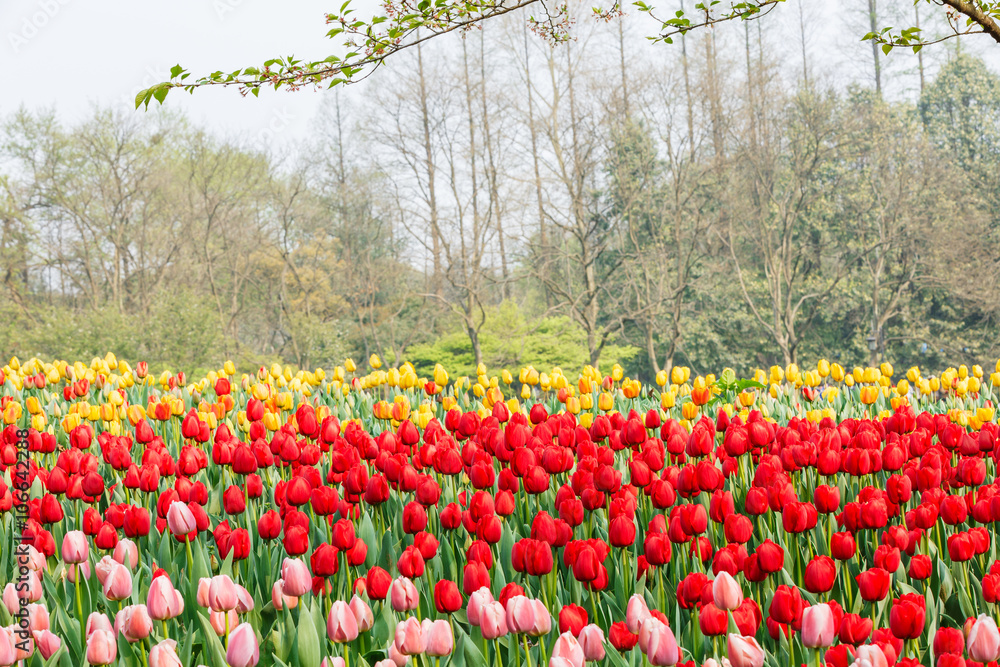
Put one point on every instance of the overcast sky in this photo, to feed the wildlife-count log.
(77, 54)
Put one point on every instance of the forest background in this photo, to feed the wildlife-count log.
(738, 198)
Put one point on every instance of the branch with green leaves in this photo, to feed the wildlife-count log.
(963, 17)
(404, 24)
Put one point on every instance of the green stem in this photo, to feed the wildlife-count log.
(79, 606)
(527, 652)
(190, 558)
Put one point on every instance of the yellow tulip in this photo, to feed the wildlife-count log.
(677, 375)
(886, 369)
(587, 401)
(525, 391)
(689, 411)
(667, 399)
(70, 422)
(586, 419)
(617, 373)
(823, 368)
(507, 377)
(605, 401)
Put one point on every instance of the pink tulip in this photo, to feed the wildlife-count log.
(222, 593)
(333, 662)
(164, 654)
(397, 658)
(635, 613)
(97, 621)
(204, 585)
(477, 601)
(557, 661)
(24, 647)
(38, 617)
(243, 651)
(528, 616)
(409, 637)
(219, 620)
(163, 601)
(493, 621)
(341, 624)
(711, 662)
(34, 592)
(8, 654)
(126, 553)
(661, 646)
(102, 649)
(103, 568)
(818, 627)
(10, 599)
(592, 641)
(726, 593)
(387, 662)
(646, 630)
(82, 568)
(75, 548)
(36, 559)
(870, 655)
(278, 598)
(244, 601)
(567, 647)
(133, 623)
(403, 595)
(47, 643)
(296, 577)
(180, 519)
(118, 584)
(362, 613)
(744, 651)
(438, 638)
(984, 640)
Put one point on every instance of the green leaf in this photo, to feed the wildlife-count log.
(213, 645)
(308, 641)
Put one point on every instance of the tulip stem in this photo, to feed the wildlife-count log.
(166, 634)
(527, 651)
(79, 606)
(227, 630)
(190, 558)
(347, 657)
(142, 647)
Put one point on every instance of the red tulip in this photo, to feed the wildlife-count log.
(820, 574)
(873, 584)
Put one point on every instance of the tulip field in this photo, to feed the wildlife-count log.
(343, 518)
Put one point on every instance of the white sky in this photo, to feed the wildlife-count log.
(77, 54)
